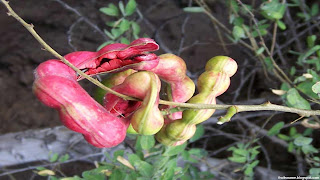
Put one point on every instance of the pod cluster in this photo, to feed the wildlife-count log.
(137, 73)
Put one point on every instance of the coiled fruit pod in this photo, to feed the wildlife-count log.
(172, 70)
(56, 86)
(111, 81)
(212, 83)
(146, 117)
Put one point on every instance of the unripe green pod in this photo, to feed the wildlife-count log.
(130, 130)
(212, 83)
(163, 138)
(172, 69)
(177, 130)
(146, 118)
(113, 80)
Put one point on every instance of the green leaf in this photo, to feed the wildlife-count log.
(54, 157)
(108, 156)
(72, 178)
(281, 25)
(268, 63)
(314, 74)
(254, 154)
(314, 172)
(311, 40)
(64, 158)
(53, 178)
(121, 7)
(254, 163)
(111, 23)
(194, 9)
(234, 5)
(293, 71)
(262, 32)
(198, 134)
(132, 175)
(174, 150)
(241, 152)
(309, 149)
(317, 159)
(144, 168)
(293, 131)
(238, 32)
(131, 7)
(40, 168)
(290, 147)
(116, 32)
(238, 159)
(295, 100)
(170, 169)
(276, 129)
(306, 88)
(238, 21)
(314, 9)
(147, 142)
(199, 153)
(109, 34)
(95, 174)
(124, 40)
(117, 153)
(117, 174)
(186, 156)
(133, 158)
(273, 10)
(316, 88)
(304, 56)
(285, 86)
(248, 171)
(299, 79)
(124, 25)
(169, 173)
(111, 10)
(260, 51)
(302, 141)
(304, 16)
(307, 132)
(136, 29)
(284, 137)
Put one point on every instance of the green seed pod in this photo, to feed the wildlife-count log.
(212, 83)
(145, 117)
(113, 80)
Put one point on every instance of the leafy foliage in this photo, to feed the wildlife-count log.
(122, 30)
(247, 155)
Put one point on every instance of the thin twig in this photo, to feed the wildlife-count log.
(274, 38)
(95, 27)
(217, 22)
(70, 33)
(264, 44)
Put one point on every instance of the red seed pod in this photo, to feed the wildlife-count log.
(57, 87)
(77, 110)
